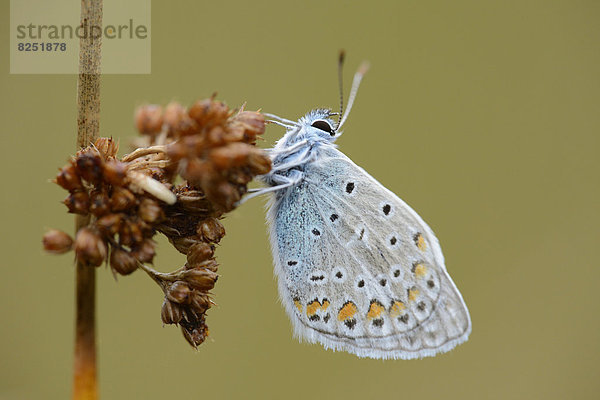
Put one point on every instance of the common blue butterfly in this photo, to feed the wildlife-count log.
(358, 270)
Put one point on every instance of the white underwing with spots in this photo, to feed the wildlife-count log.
(358, 270)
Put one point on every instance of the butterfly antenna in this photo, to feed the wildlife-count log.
(341, 86)
(360, 73)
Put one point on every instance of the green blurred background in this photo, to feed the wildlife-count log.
(481, 115)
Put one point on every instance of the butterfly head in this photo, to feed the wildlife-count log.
(318, 126)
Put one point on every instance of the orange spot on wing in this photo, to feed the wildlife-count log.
(315, 305)
(420, 270)
(420, 242)
(375, 310)
(397, 308)
(312, 308)
(412, 294)
(298, 305)
(347, 311)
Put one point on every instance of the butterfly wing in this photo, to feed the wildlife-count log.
(359, 270)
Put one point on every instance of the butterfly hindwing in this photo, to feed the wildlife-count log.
(359, 270)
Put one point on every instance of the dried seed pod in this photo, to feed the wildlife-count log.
(89, 247)
(211, 230)
(178, 121)
(201, 279)
(210, 265)
(259, 162)
(240, 177)
(108, 147)
(99, 203)
(125, 237)
(183, 244)
(68, 178)
(89, 165)
(121, 199)
(115, 172)
(144, 251)
(177, 150)
(57, 242)
(199, 301)
(199, 253)
(197, 169)
(150, 211)
(178, 292)
(110, 224)
(195, 335)
(252, 123)
(122, 261)
(170, 313)
(78, 202)
(136, 232)
(232, 155)
(209, 112)
(223, 194)
(217, 136)
(149, 119)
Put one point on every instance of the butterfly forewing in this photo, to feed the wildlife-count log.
(361, 271)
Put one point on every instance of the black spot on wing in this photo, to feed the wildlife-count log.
(350, 323)
(349, 187)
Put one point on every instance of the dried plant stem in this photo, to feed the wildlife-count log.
(161, 277)
(144, 151)
(85, 385)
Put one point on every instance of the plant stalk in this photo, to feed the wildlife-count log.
(85, 383)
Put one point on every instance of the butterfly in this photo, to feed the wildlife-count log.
(358, 270)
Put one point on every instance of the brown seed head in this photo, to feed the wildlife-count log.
(149, 119)
(115, 172)
(178, 292)
(89, 165)
(217, 136)
(201, 279)
(144, 251)
(211, 230)
(122, 261)
(68, 178)
(135, 229)
(57, 242)
(78, 202)
(195, 335)
(178, 121)
(209, 112)
(170, 313)
(199, 253)
(183, 244)
(232, 155)
(197, 170)
(99, 203)
(108, 147)
(199, 301)
(259, 162)
(89, 247)
(150, 211)
(121, 199)
(110, 224)
(251, 122)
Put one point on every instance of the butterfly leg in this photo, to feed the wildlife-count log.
(280, 181)
(299, 159)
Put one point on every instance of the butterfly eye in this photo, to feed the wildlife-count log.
(324, 126)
